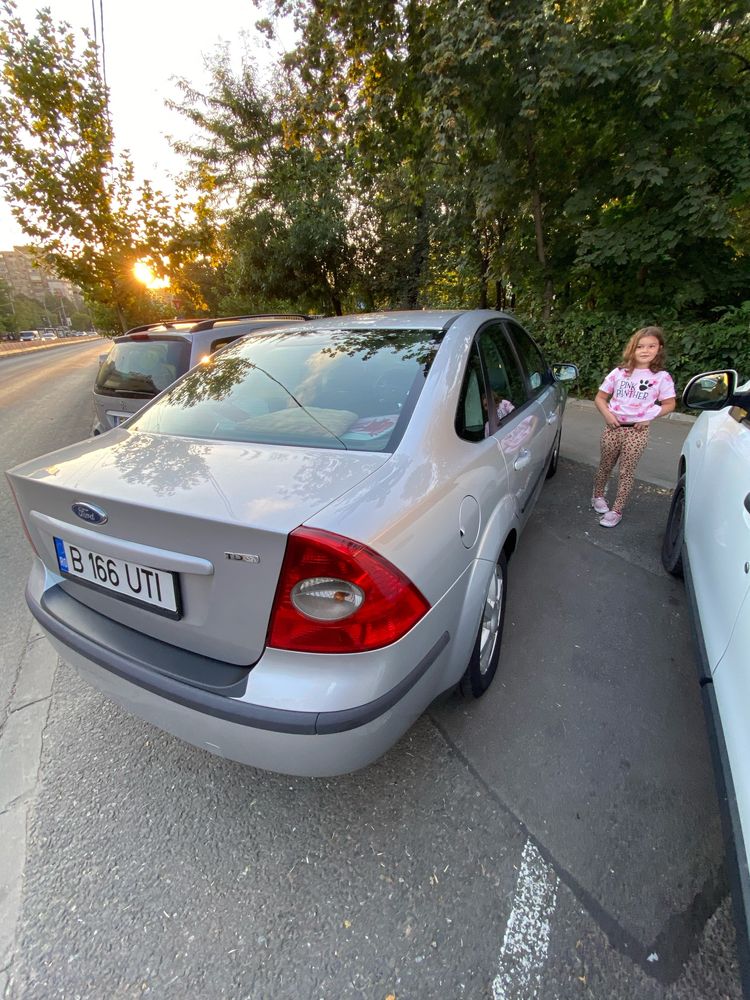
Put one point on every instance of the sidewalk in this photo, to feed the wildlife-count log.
(582, 428)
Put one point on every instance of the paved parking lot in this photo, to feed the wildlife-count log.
(557, 839)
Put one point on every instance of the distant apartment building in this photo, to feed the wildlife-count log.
(24, 276)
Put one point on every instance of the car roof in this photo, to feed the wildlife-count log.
(404, 319)
(399, 319)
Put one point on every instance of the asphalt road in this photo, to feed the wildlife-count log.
(557, 839)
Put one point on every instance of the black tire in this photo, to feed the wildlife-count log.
(486, 653)
(552, 467)
(674, 533)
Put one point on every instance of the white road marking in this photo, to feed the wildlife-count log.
(526, 941)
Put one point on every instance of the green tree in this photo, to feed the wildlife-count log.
(288, 222)
(78, 202)
(362, 72)
(7, 308)
(663, 210)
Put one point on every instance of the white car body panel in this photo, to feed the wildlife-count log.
(715, 460)
(731, 681)
(717, 534)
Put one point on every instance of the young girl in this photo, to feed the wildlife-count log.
(629, 398)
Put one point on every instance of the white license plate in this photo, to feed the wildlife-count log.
(155, 589)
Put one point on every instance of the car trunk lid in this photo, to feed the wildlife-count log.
(211, 518)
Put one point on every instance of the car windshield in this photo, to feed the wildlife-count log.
(142, 367)
(351, 389)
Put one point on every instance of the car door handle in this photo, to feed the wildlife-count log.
(552, 417)
(524, 457)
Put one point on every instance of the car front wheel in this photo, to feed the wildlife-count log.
(674, 533)
(486, 653)
(552, 467)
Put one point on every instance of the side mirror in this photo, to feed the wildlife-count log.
(565, 372)
(710, 390)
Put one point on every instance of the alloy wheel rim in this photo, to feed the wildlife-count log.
(490, 621)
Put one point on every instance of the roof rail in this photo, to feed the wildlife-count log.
(167, 323)
(207, 324)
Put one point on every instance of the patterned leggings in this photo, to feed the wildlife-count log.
(626, 444)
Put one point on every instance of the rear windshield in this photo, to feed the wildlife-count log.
(142, 368)
(327, 389)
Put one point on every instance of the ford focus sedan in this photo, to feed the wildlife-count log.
(295, 548)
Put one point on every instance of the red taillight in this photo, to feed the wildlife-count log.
(355, 600)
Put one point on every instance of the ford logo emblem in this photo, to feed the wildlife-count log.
(88, 512)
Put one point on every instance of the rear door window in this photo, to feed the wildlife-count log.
(532, 360)
(143, 367)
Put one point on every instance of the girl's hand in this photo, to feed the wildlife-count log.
(611, 420)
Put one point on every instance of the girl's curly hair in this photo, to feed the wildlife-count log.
(628, 355)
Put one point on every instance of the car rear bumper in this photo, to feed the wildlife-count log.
(175, 696)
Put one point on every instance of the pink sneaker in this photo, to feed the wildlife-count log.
(611, 519)
(599, 504)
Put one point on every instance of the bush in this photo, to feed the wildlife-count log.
(594, 341)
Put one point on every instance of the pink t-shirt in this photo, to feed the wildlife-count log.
(634, 396)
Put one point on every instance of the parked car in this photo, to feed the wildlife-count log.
(287, 556)
(29, 335)
(707, 540)
(147, 359)
(48, 335)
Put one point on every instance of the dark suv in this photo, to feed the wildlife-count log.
(147, 359)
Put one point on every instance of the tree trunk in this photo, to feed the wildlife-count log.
(122, 317)
(541, 253)
(417, 258)
(484, 266)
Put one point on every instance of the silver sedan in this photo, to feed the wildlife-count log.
(290, 552)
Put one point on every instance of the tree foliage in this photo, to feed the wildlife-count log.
(289, 227)
(577, 158)
(579, 153)
(78, 202)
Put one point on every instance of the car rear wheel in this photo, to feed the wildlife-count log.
(486, 653)
(674, 533)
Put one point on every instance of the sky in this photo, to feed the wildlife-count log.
(147, 44)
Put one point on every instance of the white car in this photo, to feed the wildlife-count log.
(707, 540)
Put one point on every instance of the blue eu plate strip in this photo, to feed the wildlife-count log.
(61, 557)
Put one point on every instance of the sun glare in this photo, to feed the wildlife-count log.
(146, 276)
